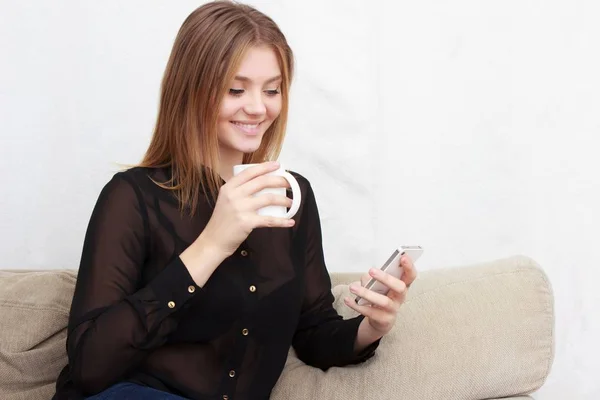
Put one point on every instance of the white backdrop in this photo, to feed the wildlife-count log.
(469, 127)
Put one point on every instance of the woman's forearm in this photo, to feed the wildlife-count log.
(201, 259)
(365, 336)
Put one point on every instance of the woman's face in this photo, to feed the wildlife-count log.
(251, 105)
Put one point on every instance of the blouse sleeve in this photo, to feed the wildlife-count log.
(322, 339)
(114, 322)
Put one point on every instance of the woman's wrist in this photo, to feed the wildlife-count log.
(201, 259)
(365, 336)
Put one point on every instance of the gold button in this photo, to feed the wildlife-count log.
(245, 332)
(171, 304)
(244, 253)
(191, 289)
(253, 288)
(231, 373)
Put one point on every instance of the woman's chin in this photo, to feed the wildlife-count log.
(249, 150)
(241, 149)
(249, 146)
(244, 145)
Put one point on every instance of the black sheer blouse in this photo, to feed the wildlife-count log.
(138, 316)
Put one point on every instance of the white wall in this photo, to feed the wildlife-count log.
(469, 127)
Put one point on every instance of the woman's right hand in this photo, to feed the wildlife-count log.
(235, 216)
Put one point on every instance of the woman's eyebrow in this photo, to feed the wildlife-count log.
(246, 79)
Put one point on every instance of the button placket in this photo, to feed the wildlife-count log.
(231, 374)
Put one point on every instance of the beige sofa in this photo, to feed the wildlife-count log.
(472, 332)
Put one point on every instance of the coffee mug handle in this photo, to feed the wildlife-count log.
(296, 192)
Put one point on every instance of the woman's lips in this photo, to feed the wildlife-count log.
(249, 129)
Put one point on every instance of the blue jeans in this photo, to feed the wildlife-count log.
(133, 391)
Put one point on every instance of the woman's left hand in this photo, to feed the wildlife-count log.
(381, 313)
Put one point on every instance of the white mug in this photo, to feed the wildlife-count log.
(277, 211)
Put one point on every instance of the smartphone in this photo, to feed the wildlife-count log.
(392, 267)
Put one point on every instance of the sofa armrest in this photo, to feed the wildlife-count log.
(476, 332)
(34, 311)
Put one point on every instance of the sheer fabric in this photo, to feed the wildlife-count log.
(137, 315)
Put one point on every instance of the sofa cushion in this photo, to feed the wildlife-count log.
(34, 309)
(478, 332)
(464, 333)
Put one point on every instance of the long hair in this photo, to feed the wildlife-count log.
(206, 55)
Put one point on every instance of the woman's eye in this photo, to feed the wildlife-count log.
(273, 92)
(239, 92)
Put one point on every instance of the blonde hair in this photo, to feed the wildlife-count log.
(207, 52)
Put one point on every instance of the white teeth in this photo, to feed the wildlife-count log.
(247, 126)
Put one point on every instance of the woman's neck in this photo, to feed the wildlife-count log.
(226, 162)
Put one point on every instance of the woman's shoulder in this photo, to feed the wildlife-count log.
(138, 180)
(140, 176)
(302, 180)
(305, 188)
(137, 172)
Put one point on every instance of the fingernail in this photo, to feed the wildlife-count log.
(373, 272)
(353, 288)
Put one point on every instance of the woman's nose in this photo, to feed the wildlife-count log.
(255, 105)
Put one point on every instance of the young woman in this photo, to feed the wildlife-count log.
(184, 291)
